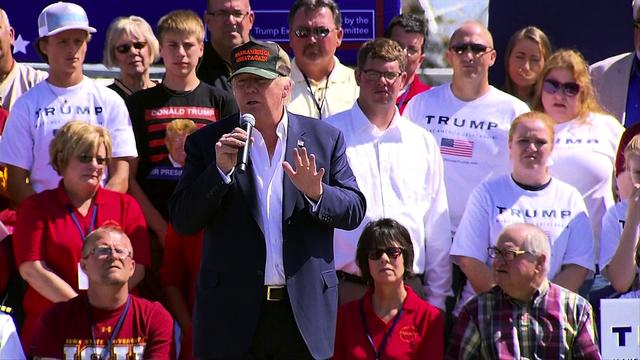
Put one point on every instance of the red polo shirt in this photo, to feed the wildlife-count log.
(419, 333)
(45, 231)
(180, 269)
(416, 88)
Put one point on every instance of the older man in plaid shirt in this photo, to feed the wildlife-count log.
(525, 316)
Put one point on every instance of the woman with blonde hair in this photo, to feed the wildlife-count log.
(530, 194)
(586, 137)
(525, 56)
(51, 225)
(131, 46)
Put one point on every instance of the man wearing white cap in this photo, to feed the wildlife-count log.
(617, 79)
(66, 95)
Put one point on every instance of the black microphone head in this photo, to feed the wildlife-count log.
(247, 119)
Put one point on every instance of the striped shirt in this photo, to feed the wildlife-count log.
(555, 324)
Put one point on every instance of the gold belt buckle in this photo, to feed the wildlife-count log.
(273, 287)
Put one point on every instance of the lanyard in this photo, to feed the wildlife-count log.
(320, 105)
(114, 334)
(76, 222)
(387, 335)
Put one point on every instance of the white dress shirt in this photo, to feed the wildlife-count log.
(268, 182)
(400, 172)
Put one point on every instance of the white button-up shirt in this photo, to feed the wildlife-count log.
(268, 182)
(400, 172)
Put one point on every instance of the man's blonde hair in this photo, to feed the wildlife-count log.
(184, 22)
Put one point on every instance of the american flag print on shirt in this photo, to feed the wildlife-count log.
(456, 147)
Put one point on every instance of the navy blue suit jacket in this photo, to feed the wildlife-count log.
(230, 286)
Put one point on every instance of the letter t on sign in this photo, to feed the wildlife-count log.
(621, 331)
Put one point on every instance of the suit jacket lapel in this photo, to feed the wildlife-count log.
(248, 189)
(291, 195)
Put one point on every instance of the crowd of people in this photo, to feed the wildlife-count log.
(374, 217)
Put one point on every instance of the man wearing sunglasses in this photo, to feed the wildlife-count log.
(527, 316)
(468, 117)
(380, 143)
(15, 78)
(64, 34)
(322, 86)
(617, 79)
(107, 321)
(229, 23)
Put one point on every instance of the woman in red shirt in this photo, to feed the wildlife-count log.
(390, 321)
(51, 225)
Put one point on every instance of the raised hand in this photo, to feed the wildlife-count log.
(305, 177)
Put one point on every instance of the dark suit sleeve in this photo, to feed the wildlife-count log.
(343, 205)
(201, 187)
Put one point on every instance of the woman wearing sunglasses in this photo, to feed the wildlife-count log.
(131, 46)
(527, 50)
(528, 195)
(51, 225)
(390, 321)
(586, 137)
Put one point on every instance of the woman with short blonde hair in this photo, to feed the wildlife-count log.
(131, 46)
(51, 225)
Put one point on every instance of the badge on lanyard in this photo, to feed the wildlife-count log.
(83, 280)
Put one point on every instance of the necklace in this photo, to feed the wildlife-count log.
(122, 86)
(64, 100)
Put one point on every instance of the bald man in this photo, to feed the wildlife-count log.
(555, 322)
(15, 78)
(229, 23)
(468, 117)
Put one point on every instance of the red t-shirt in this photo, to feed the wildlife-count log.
(64, 331)
(45, 231)
(416, 88)
(419, 333)
(180, 269)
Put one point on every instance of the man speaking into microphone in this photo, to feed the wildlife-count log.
(267, 286)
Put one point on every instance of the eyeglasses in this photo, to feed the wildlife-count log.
(410, 50)
(237, 15)
(319, 32)
(124, 48)
(476, 49)
(103, 252)
(87, 159)
(374, 75)
(570, 89)
(392, 252)
(506, 254)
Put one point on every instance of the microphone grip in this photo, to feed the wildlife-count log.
(244, 156)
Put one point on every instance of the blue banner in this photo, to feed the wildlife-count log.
(362, 20)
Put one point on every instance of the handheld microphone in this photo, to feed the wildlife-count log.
(247, 122)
